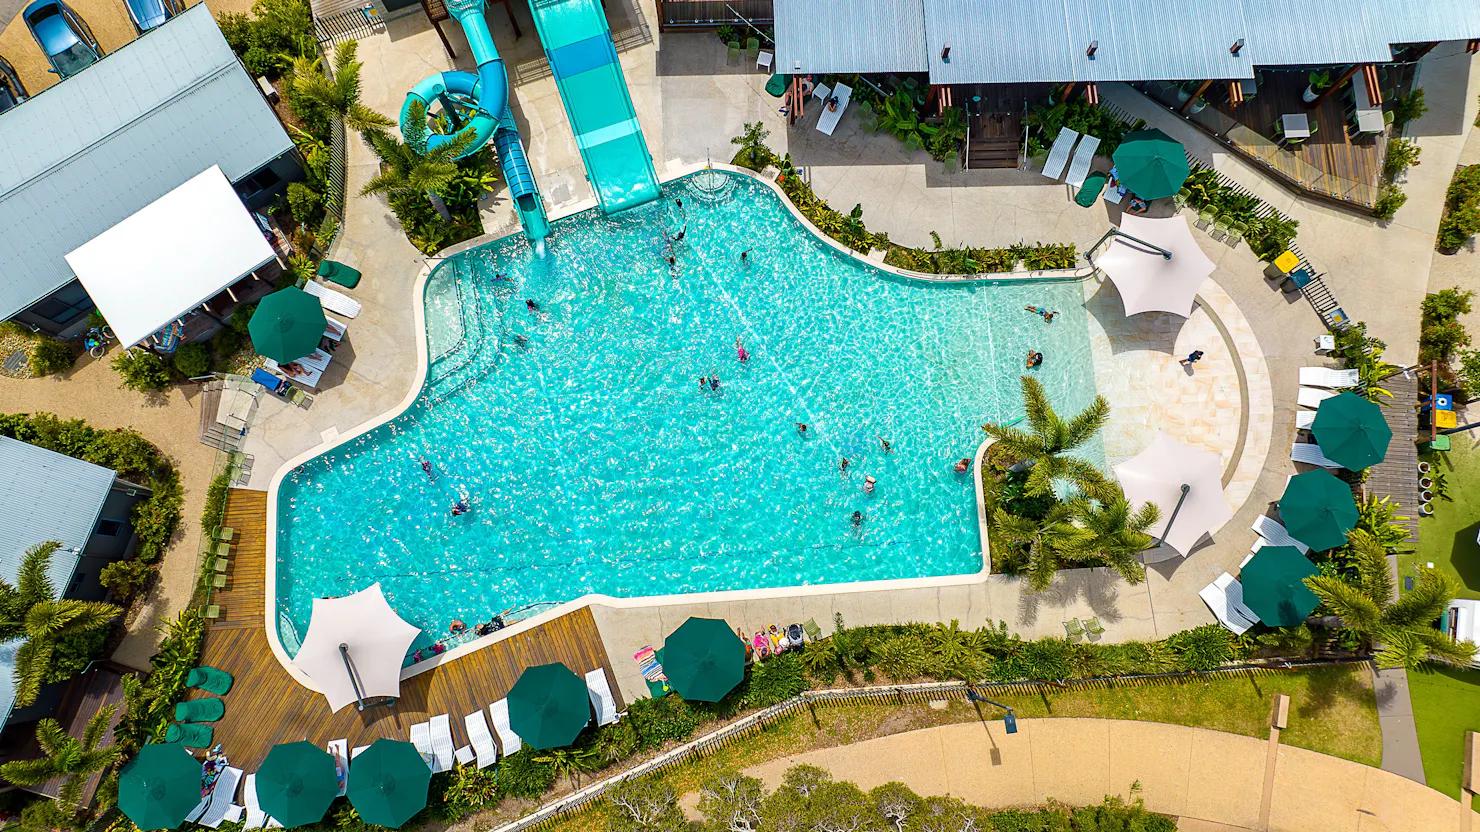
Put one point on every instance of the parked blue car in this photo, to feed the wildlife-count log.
(63, 37)
(147, 14)
(11, 90)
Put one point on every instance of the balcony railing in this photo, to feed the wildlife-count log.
(707, 14)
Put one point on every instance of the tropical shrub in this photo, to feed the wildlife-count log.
(1402, 154)
(304, 202)
(1440, 332)
(141, 370)
(276, 32)
(1201, 648)
(660, 720)
(1078, 115)
(753, 153)
(1461, 218)
(469, 790)
(774, 680)
(125, 577)
(61, 634)
(1408, 107)
(50, 356)
(149, 704)
(1389, 200)
(521, 774)
(192, 360)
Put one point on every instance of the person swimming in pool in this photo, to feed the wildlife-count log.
(521, 342)
(461, 507)
(884, 443)
(963, 465)
(531, 306)
(868, 484)
(457, 626)
(802, 428)
(1034, 359)
(745, 255)
(843, 466)
(740, 351)
(857, 519)
(426, 467)
(714, 384)
(1046, 315)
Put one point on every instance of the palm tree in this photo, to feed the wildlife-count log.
(339, 95)
(1401, 628)
(412, 167)
(31, 610)
(1045, 539)
(1043, 446)
(66, 756)
(1114, 534)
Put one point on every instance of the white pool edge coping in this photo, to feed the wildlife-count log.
(418, 291)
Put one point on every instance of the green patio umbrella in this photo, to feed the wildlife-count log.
(1151, 164)
(388, 783)
(1274, 586)
(1318, 509)
(704, 659)
(160, 786)
(548, 706)
(287, 325)
(296, 783)
(1352, 431)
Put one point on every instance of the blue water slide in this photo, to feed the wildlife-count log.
(479, 104)
(583, 60)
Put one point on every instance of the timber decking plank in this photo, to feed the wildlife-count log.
(266, 706)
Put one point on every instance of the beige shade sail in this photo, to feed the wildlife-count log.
(1157, 475)
(1147, 280)
(374, 641)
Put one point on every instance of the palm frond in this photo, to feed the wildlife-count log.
(1087, 423)
(97, 727)
(1016, 443)
(28, 772)
(33, 581)
(361, 118)
(1039, 412)
(32, 663)
(1423, 604)
(1400, 648)
(1355, 609)
(51, 737)
(1370, 560)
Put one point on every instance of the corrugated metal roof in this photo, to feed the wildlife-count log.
(847, 36)
(94, 149)
(50, 497)
(1013, 41)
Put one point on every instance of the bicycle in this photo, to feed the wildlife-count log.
(96, 340)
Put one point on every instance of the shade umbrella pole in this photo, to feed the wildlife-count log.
(1116, 232)
(354, 678)
(1168, 530)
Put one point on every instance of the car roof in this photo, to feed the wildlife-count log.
(55, 33)
(147, 13)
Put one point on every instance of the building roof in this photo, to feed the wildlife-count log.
(90, 151)
(1027, 41)
(170, 256)
(64, 498)
(847, 36)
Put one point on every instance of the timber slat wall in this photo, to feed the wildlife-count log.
(266, 706)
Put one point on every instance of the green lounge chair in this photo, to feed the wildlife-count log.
(190, 735)
(220, 564)
(219, 582)
(339, 273)
(1090, 191)
(224, 534)
(777, 85)
(1180, 198)
(209, 679)
(1206, 217)
(912, 143)
(952, 162)
(734, 53)
(814, 632)
(299, 398)
(1073, 628)
(1092, 626)
(208, 709)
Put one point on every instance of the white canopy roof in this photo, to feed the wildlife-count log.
(1157, 474)
(170, 256)
(375, 638)
(1146, 279)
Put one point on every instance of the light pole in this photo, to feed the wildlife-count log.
(1009, 719)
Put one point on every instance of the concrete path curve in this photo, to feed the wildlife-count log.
(1196, 774)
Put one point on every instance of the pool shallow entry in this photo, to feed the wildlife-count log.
(591, 409)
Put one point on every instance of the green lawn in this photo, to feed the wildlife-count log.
(1447, 539)
(1446, 704)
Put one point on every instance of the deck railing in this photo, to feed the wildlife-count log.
(708, 14)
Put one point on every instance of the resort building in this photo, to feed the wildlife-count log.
(87, 154)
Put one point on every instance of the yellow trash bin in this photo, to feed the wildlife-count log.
(1287, 262)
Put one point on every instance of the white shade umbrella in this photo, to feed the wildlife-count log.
(1148, 281)
(1160, 473)
(354, 647)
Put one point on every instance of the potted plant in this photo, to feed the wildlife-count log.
(1198, 104)
(1319, 83)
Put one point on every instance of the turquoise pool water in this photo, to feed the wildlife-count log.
(594, 463)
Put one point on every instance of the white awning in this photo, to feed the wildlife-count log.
(1148, 281)
(1159, 475)
(170, 256)
(358, 634)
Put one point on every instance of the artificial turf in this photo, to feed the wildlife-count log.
(1446, 704)
(1447, 539)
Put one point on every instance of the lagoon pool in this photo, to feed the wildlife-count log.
(593, 461)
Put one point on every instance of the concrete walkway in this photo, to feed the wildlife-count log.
(1204, 776)
(1400, 752)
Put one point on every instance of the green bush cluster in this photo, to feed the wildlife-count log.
(1039, 256)
(149, 704)
(1045, 120)
(1440, 333)
(50, 356)
(142, 370)
(1461, 209)
(192, 360)
(847, 229)
(468, 789)
(901, 115)
(1268, 236)
(1363, 353)
(276, 32)
(1389, 199)
(126, 577)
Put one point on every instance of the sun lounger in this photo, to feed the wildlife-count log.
(337, 302)
(339, 273)
(498, 715)
(1311, 397)
(219, 802)
(256, 818)
(1274, 534)
(1309, 453)
(208, 709)
(334, 330)
(1235, 593)
(814, 632)
(355, 752)
(601, 697)
(1304, 419)
(442, 748)
(465, 755)
(306, 375)
(189, 734)
(481, 739)
(234, 813)
(209, 678)
(1058, 155)
(1215, 595)
(828, 121)
(339, 750)
(421, 737)
(1327, 377)
(270, 381)
(1090, 190)
(1084, 156)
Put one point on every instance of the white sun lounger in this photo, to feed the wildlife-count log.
(256, 818)
(1058, 155)
(442, 748)
(356, 752)
(1327, 377)
(337, 302)
(828, 121)
(601, 697)
(339, 750)
(1310, 454)
(214, 808)
(1304, 419)
(498, 715)
(1274, 534)
(1215, 595)
(1235, 593)
(465, 755)
(1311, 397)
(421, 737)
(481, 738)
(1084, 156)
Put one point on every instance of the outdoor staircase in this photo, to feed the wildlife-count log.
(477, 353)
(994, 141)
(212, 433)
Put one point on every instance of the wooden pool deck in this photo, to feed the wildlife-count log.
(266, 706)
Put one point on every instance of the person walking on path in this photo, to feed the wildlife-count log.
(1192, 358)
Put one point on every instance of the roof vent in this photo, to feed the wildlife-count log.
(1094, 46)
(1237, 45)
